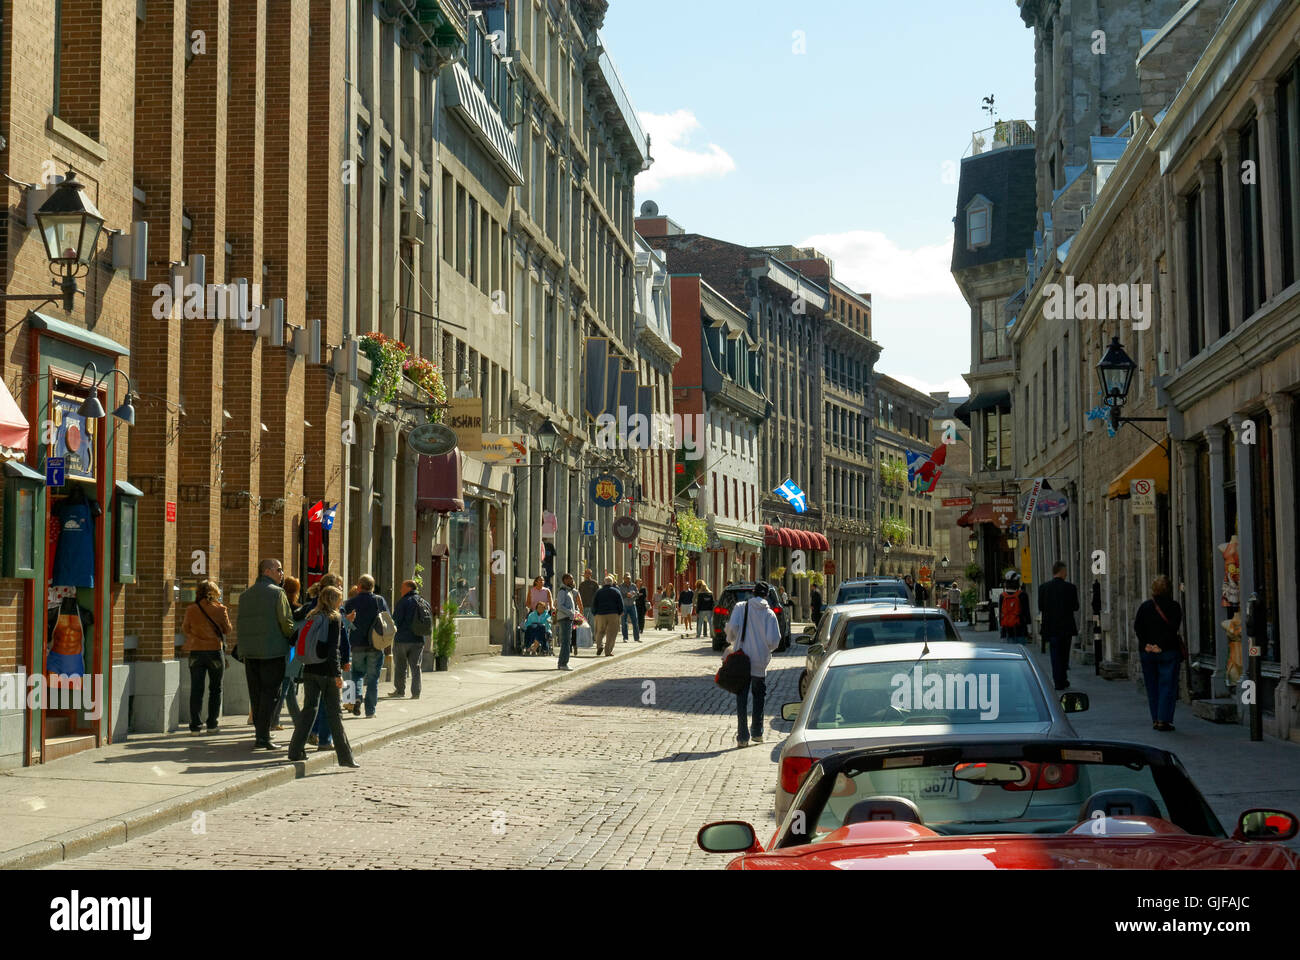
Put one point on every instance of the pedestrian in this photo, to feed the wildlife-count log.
(322, 683)
(703, 610)
(367, 659)
(1156, 626)
(755, 633)
(292, 668)
(539, 592)
(606, 608)
(954, 602)
(922, 593)
(910, 584)
(265, 623)
(1013, 611)
(686, 606)
(1058, 599)
(320, 731)
(630, 594)
(568, 614)
(536, 627)
(815, 601)
(205, 627)
(641, 599)
(587, 589)
(408, 646)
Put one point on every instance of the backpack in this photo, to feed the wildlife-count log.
(383, 631)
(1009, 610)
(422, 624)
(314, 632)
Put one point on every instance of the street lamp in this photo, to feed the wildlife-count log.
(70, 226)
(973, 544)
(1115, 370)
(464, 388)
(944, 563)
(92, 409)
(547, 438)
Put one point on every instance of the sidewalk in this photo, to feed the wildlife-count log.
(97, 798)
(1232, 773)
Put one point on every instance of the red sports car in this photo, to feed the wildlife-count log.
(1007, 804)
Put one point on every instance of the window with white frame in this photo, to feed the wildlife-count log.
(979, 214)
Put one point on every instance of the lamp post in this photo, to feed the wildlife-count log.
(1115, 371)
(92, 409)
(70, 226)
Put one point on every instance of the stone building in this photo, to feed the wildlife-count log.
(573, 246)
(787, 313)
(951, 541)
(849, 357)
(905, 521)
(1233, 363)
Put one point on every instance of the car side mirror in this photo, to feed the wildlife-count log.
(806, 637)
(1266, 825)
(728, 836)
(791, 711)
(1074, 702)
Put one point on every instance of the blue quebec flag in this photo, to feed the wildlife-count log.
(793, 496)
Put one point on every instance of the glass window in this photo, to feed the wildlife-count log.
(993, 328)
(464, 537)
(977, 225)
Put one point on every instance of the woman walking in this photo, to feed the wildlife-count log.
(205, 627)
(686, 606)
(323, 681)
(703, 610)
(293, 669)
(1156, 625)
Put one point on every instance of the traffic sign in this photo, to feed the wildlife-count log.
(589, 528)
(171, 511)
(1143, 493)
(54, 471)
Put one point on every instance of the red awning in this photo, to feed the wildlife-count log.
(13, 426)
(438, 484)
(988, 513)
(785, 537)
(805, 539)
(822, 543)
(770, 536)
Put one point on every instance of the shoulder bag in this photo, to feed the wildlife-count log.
(733, 675)
(1182, 644)
(234, 652)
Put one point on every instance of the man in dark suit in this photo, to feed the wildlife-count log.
(1058, 599)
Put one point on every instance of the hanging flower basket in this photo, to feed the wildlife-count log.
(424, 374)
(387, 357)
(895, 530)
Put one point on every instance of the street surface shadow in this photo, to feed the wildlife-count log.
(684, 755)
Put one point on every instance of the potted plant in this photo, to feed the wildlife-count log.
(974, 572)
(444, 635)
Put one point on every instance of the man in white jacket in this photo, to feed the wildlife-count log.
(754, 631)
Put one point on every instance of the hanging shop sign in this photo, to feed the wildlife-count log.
(626, 529)
(432, 439)
(956, 502)
(465, 417)
(74, 436)
(504, 448)
(1004, 509)
(1052, 503)
(606, 490)
(1032, 501)
(54, 471)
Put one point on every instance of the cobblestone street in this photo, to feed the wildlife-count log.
(583, 774)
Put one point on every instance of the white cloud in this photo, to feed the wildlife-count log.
(956, 386)
(870, 262)
(674, 157)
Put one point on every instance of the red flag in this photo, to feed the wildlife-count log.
(314, 514)
(932, 469)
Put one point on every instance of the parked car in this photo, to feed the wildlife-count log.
(877, 695)
(871, 623)
(1007, 803)
(737, 593)
(872, 588)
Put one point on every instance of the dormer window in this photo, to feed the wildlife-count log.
(979, 214)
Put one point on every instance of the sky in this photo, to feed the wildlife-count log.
(838, 124)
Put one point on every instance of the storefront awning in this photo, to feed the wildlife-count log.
(771, 536)
(994, 511)
(983, 401)
(741, 539)
(13, 426)
(823, 543)
(1152, 465)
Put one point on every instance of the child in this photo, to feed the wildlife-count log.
(537, 629)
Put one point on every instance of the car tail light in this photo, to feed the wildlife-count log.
(777, 611)
(720, 611)
(793, 770)
(1045, 776)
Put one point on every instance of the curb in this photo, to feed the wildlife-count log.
(135, 823)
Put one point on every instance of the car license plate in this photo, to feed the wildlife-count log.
(926, 788)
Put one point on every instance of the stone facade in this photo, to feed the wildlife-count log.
(902, 424)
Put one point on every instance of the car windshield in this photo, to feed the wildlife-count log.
(853, 592)
(957, 692)
(895, 628)
(1055, 795)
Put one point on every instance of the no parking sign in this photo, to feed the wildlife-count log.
(1143, 493)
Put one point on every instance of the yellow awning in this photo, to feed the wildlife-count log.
(1152, 465)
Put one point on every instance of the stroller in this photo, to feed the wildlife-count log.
(666, 615)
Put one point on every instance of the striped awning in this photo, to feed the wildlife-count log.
(13, 427)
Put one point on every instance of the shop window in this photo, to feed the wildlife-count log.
(125, 506)
(22, 485)
(464, 539)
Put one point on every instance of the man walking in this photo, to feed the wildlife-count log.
(408, 646)
(630, 595)
(754, 631)
(1058, 599)
(606, 608)
(264, 625)
(587, 590)
(367, 661)
(641, 600)
(815, 601)
(566, 605)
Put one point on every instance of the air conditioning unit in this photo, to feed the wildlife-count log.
(412, 227)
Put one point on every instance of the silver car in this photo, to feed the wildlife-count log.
(942, 691)
(869, 623)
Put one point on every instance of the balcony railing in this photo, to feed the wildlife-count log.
(445, 19)
(615, 83)
(1000, 136)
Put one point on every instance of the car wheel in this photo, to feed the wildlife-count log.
(803, 685)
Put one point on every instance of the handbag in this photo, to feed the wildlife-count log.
(733, 675)
(234, 651)
(1182, 644)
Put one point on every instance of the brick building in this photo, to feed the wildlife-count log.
(905, 515)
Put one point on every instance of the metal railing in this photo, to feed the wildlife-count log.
(610, 72)
(1000, 136)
